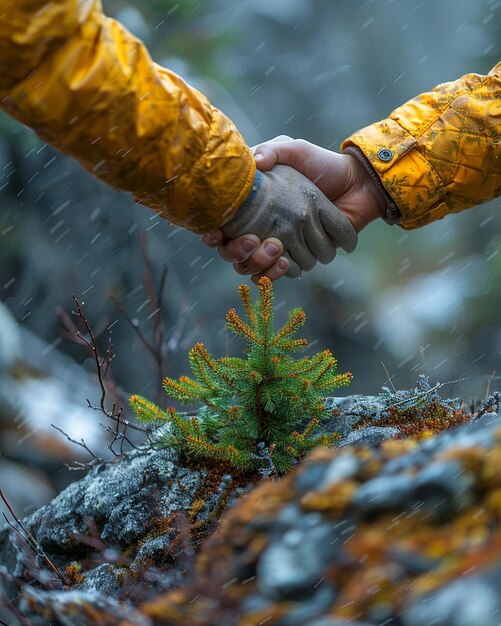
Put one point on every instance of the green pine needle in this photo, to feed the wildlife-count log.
(261, 413)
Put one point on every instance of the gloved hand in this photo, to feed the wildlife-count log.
(287, 205)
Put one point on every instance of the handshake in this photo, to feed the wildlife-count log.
(306, 202)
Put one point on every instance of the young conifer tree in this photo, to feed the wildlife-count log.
(260, 410)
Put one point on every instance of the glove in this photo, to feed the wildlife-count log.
(285, 204)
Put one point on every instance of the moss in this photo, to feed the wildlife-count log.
(73, 574)
(424, 421)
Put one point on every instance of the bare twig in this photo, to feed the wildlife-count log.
(30, 540)
(9, 604)
(155, 296)
(78, 465)
(423, 394)
(389, 377)
(87, 338)
(155, 346)
(489, 381)
(92, 345)
(134, 324)
(80, 443)
(494, 400)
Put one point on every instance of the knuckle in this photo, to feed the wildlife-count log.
(239, 269)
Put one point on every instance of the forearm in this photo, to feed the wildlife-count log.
(439, 153)
(90, 88)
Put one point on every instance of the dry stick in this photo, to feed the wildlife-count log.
(155, 298)
(77, 464)
(92, 345)
(72, 334)
(494, 400)
(389, 377)
(155, 349)
(21, 617)
(489, 381)
(28, 537)
(102, 368)
(117, 435)
(134, 323)
(80, 443)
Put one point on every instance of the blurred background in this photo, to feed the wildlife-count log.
(403, 304)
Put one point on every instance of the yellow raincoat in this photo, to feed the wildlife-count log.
(89, 87)
(439, 153)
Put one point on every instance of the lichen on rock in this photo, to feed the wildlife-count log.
(392, 531)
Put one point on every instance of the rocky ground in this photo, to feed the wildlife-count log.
(385, 529)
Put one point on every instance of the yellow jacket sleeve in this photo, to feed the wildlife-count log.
(89, 88)
(439, 153)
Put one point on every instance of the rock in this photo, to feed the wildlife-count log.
(370, 436)
(405, 533)
(292, 566)
(461, 603)
(104, 578)
(125, 512)
(73, 608)
(382, 494)
(376, 534)
(349, 411)
(342, 467)
(311, 479)
(304, 609)
(444, 487)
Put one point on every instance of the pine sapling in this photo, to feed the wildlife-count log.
(265, 407)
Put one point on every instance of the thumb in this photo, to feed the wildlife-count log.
(305, 157)
(266, 157)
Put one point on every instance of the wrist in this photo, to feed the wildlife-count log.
(379, 203)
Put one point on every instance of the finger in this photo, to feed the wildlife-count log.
(322, 246)
(294, 270)
(262, 258)
(276, 271)
(301, 254)
(213, 238)
(310, 160)
(265, 157)
(240, 249)
(339, 227)
(277, 139)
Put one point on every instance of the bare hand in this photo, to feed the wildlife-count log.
(248, 255)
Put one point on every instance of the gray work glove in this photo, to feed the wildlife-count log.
(285, 204)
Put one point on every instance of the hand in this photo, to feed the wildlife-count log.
(341, 177)
(286, 205)
(249, 255)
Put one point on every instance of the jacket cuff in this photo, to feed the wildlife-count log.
(392, 214)
(412, 186)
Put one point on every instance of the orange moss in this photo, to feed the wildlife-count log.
(333, 501)
(424, 420)
(73, 574)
